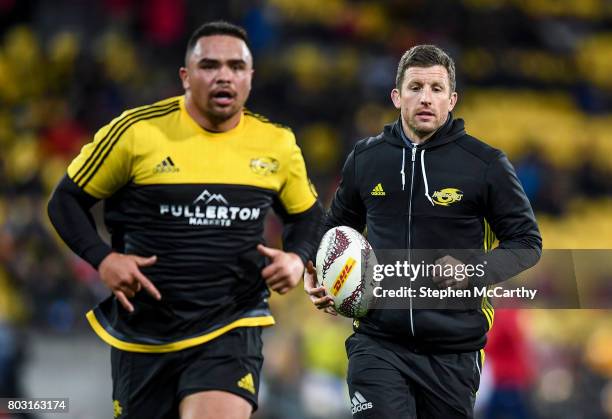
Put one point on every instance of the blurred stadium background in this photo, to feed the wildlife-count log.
(534, 78)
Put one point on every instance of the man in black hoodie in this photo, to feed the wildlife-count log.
(424, 183)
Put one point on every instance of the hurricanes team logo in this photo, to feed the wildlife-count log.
(117, 409)
(264, 165)
(447, 196)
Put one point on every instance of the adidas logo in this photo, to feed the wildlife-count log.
(166, 166)
(378, 190)
(359, 402)
(247, 383)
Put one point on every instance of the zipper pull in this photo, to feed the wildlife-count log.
(414, 150)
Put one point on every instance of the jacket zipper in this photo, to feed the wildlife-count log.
(414, 150)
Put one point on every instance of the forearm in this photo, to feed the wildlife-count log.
(511, 218)
(503, 263)
(68, 210)
(302, 232)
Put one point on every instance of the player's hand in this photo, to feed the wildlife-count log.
(317, 294)
(284, 271)
(447, 280)
(121, 274)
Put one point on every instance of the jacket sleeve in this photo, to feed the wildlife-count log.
(347, 207)
(509, 213)
(68, 211)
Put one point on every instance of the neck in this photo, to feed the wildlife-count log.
(210, 123)
(416, 138)
(413, 136)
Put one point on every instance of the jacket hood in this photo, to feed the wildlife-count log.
(450, 131)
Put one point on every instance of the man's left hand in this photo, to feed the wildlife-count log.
(450, 281)
(284, 271)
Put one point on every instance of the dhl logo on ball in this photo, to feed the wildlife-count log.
(344, 273)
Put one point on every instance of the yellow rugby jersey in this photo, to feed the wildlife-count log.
(197, 200)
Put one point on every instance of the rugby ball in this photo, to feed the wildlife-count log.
(344, 267)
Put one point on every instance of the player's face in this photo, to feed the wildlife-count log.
(425, 100)
(218, 76)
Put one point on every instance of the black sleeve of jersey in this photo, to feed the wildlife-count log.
(68, 211)
(510, 215)
(302, 232)
(347, 207)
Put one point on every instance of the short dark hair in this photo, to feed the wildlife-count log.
(219, 27)
(425, 56)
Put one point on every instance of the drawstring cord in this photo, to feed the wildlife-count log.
(425, 177)
(403, 165)
(403, 173)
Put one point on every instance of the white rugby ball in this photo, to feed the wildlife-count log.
(346, 272)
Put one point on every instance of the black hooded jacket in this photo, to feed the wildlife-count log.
(401, 193)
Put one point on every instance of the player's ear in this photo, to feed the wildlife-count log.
(184, 77)
(395, 98)
(251, 79)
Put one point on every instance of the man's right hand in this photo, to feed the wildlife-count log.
(121, 274)
(318, 295)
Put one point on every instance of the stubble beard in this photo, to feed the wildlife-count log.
(420, 133)
(218, 115)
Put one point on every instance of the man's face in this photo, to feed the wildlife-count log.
(425, 100)
(217, 76)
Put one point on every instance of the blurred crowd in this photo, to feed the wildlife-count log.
(533, 79)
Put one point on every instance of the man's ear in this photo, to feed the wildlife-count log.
(395, 98)
(453, 101)
(184, 77)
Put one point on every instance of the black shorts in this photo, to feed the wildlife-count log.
(389, 381)
(152, 385)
